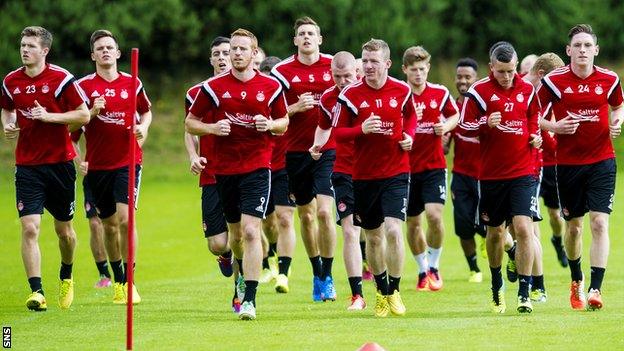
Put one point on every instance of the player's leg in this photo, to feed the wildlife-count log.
(327, 243)
(548, 191)
(67, 245)
(270, 232)
(464, 217)
(96, 238)
(31, 256)
(538, 290)
(434, 197)
(215, 228)
(353, 261)
(285, 245)
(494, 243)
(525, 255)
(418, 248)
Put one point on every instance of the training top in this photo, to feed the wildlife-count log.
(327, 119)
(377, 155)
(56, 90)
(225, 97)
(505, 149)
(206, 142)
(466, 151)
(298, 78)
(587, 102)
(107, 133)
(436, 104)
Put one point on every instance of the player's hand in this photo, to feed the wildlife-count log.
(438, 128)
(372, 124)
(84, 167)
(536, 141)
(615, 129)
(406, 143)
(306, 102)
(566, 125)
(198, 164)
(494, 119)
(315, 152)
(39, 112)
(140, 132)
(11, 131)
(222, 128)
(263, 124)
(98, 104)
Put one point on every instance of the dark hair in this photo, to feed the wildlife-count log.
(267, 64)
(497, 44)
(468, 62)
(45, 37)
(503, 53)
(218, 41)
(582, 28)
(99, 34)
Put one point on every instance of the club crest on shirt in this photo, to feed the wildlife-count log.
(45, 89)
(326, 76)
(598, 90)
(260, 96)
(124, 94)
(520, 97)
(433, 104)
(393, 103)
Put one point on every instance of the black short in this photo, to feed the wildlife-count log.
(213, 220)
(501, 200)
(280, 196)
(548, 187)
(343, 187)
(89, 200)
(380, 198)
(51, 186)
(535, 207)
(244, 193)
(586, 188)
(110, 187)
(426, 187)
(465, 195)
(307, 177)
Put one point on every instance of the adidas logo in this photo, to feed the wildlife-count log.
(568, 90)
(16, 91)
(494, 98)
(364, 104)
(296, 79)
(95, 94)
(226, 95)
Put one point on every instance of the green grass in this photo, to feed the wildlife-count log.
(186, 300)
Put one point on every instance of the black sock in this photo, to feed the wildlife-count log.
(363, 249)
(66, 271)
(326, 267)
(250, 291)
(381, 280)
(265, 263)
(227, 254)
(393, 284)
(556, 240)
(524, 281)
(316, 266)
(575, 269)
(537, 282)
(35, 284)
(125, 266)
(235, 291)
(597, 274)
(118, 271)
(240, 265)
(512, 252)
(283, 264)
(272, 249)
(356, 286)
(497, 278)
(103, 268)
(472, 263)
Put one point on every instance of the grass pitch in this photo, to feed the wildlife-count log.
(186, 301)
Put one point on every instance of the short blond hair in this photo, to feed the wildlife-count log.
(547, 62)
(415, 54)
(377, 45)
(306, 20)
(45, 37)
(240, 32)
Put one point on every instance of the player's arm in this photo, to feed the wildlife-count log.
(447, 139)
(451, 116)
(77, 117)
(533, 116)
(323, 130)
(277, 123)
(205, 106)
(141, 128)
(305, 102)
(470, 115)
(9, 124)
(546, 98)
(616, 101)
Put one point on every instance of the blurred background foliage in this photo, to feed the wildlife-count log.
(174, 36)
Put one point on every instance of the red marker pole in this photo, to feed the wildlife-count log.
(131, 182)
